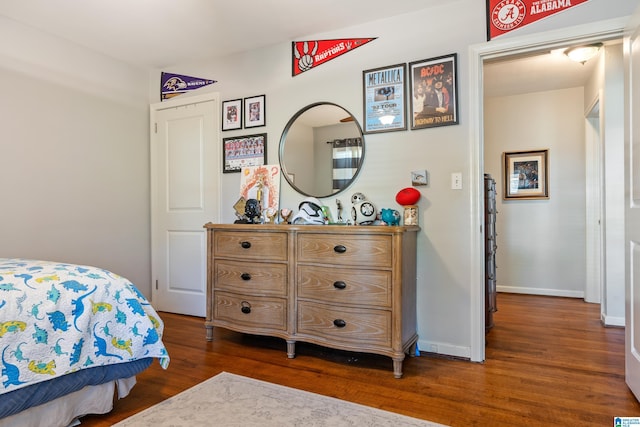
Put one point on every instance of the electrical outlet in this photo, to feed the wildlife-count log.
(456, 181)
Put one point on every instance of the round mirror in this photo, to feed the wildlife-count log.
(321, 150)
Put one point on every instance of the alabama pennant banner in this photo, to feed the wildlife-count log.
(175, 84)
(507, 15)
(309, 54)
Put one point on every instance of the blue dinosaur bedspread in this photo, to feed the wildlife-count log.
(58, 318)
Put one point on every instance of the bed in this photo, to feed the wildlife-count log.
(71, 336)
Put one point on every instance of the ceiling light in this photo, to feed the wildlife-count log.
(584, 53)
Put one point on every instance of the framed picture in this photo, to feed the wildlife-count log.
(526, 175)
(434, 94)
(243, 151)
(384, 99)
(232, 114)
(263, 184)
(255, 112)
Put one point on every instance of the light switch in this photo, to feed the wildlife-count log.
(456, 181)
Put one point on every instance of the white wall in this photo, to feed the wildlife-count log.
(613, 135)
(541, 243)
(74, 173)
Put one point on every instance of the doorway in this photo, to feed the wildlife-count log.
(501, 50)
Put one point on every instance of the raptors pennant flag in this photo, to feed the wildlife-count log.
(507, 15)
(309, 54)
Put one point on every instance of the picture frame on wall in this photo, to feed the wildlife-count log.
(243, 151)
(526, 175)
(232, 114)
(384, 93)
(433, 92)
(255, 111)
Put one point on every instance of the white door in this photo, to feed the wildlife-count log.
(632, 202)
(185, 182)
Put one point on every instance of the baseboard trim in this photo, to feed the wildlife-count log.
(613, 321)
(446, 349)
(541, 291)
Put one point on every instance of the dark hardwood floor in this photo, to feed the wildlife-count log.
(549, 362)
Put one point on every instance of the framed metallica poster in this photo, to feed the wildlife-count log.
(384, 99)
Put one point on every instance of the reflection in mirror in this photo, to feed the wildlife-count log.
(321, 150)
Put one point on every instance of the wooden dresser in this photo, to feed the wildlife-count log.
(346, 287)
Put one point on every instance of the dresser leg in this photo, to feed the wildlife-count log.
(412, 349)
(291, 349)
(397, 366)
(209, 333)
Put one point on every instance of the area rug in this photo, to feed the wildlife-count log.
(233, 400)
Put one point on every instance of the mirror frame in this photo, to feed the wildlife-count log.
(283, 139)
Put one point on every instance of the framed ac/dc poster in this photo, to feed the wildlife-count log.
(434, 95)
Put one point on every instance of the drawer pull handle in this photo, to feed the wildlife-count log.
(245, 276)
(246, 307)
(339, 285)
(340, 323)
(245, 245)
(340, 249)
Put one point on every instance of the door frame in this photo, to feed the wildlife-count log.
(594, 121)
(588, 33)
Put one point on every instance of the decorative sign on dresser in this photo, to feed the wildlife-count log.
(346, 287)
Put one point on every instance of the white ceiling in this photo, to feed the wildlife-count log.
(160, 33)
(541, 71)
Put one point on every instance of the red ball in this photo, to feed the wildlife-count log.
(407, 196)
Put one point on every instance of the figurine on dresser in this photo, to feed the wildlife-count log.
(363, 211)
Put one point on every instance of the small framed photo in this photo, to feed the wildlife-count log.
(232, 114)
(255, 111)
(526, 175)
(384, 99)
(434, 94)
(243, 151)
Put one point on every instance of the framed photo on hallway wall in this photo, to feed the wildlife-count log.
(526, 175)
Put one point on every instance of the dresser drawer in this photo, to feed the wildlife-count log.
(345, 285)
(250, 245)
(250, 311)
(250, 277)
(352, 326)
(354, 250)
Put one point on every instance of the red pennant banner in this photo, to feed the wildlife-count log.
(176, 84)
(310, 54)
(507, 15)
